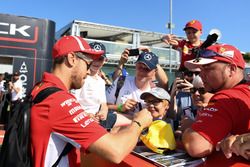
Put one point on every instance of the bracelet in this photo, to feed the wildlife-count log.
(119, 107)
(138, 123)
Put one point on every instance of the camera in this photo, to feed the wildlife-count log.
(134, 52)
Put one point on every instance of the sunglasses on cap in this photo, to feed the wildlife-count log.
(210, 53)
(200, 90)
(191, 73)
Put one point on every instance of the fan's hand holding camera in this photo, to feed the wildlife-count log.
(183, 85)
(129, 105)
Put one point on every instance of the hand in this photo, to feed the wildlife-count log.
(11, 85)
(124, 57)
(225, 146)
(185, 123)
(184, 85)
(102, 114)
(170, 39)
(144, 117)
(241, 146)
(129, 105)
(93, 116)
(144, 49)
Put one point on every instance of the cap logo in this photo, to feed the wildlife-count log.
(229, 53)
(148, 57)
(192, 22)
(97, 47)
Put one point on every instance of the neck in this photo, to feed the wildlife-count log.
(63, 75)
(142, 84)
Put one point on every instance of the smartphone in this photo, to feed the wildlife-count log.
(187, 111)
(133, 52)
(179, 74)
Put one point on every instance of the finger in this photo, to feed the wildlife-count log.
(217, 147)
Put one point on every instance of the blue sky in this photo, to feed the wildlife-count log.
(229, 16)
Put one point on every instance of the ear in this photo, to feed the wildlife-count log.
(233, 70)
(71, 59)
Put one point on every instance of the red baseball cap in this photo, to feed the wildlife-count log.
(193, 24)
(218, 52)
(69, 44)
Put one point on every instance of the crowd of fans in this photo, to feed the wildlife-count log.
(207, 105)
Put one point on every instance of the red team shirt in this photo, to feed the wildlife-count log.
(57, 120)
(228, 112)
(185, 49)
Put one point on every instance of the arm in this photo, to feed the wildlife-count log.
(173, 109)
(114, 147)
(13, 87)
(195, 144)
(123, 60)
(162, 77)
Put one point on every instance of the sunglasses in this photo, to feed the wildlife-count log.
(191, 73)
(209, 53)
(200, 90)
(87, 60)
(153, 102)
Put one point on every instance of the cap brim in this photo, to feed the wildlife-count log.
(140, 61)
(196, 63)
(94, 54)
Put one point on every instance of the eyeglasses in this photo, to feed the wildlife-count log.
(191, 73)
(200, 90)
(153, 102)
(87, 60)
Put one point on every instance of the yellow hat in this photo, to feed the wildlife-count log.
(160, 137)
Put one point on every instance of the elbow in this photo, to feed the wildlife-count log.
(197, 152)
(196, 145)
(117, 157)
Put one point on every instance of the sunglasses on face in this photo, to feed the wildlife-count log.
(191, 73)
(153, 102)
(200, 90)
(87, 60)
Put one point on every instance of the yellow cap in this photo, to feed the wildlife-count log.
(160, 137)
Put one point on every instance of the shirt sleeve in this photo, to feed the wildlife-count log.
(110, 92)
(68, 119)
(214, 122)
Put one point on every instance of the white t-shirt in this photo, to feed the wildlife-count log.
(92, 94)
(128, 91)
(2, 86)
(15, 96)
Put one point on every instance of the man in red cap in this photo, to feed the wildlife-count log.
(60, 119)
(193, 30)
(228, 111)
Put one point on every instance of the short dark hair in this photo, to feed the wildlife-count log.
(58, 60)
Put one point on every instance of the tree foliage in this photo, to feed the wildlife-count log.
(246, 56)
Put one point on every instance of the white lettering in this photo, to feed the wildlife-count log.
(75, 109)
(87, 122)
(13, 29)
(79, 117)
(68, 102)
(205, 115)
(211, 109)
